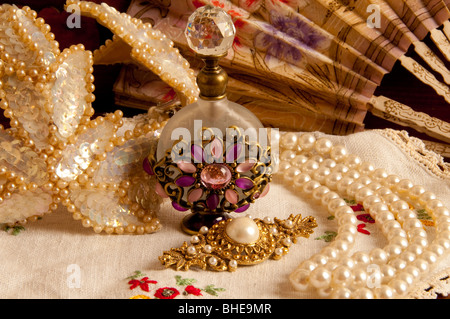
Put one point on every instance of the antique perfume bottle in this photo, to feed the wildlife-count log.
(213, 156)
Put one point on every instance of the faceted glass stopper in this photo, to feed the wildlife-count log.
(210, 31)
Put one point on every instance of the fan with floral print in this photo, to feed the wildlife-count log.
(315, 64)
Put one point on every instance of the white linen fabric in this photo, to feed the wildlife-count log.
(57, 258)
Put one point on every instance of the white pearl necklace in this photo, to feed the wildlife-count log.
(327, 172)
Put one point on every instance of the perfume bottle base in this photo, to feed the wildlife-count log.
(192, 223)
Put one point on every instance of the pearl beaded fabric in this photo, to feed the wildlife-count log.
(150, 48)
(54, 151)
(328, 173)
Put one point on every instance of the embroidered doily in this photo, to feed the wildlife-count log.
(419, 151)
(36, 263)
(438, 286)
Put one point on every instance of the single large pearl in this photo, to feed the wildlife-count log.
(242, 230)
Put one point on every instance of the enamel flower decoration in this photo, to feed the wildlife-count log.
(213, 176)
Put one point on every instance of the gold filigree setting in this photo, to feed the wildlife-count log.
(213, 177)
(217, 249)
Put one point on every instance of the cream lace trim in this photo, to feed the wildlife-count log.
(417, 149)
(437, 285)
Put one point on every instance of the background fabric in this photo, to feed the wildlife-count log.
(57, 258)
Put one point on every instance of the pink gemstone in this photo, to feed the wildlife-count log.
(215, 176)
(246, 166)
(197, 153)
(265, 190)
(216, 149)
(233, 152)
(178, 207)
(231, 196)
(256, 195)
(185, 181)
(147, 167)
(212, 201)
(195, 195)
(160, 191)
(244, 183)
(242, 209)
(187, 167)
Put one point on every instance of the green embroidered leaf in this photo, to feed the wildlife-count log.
(185, 281)
(350, 202)
(423, 214)
(329, 236)
(210, 289)
(137, 273)
(15, 230)
(331, 217)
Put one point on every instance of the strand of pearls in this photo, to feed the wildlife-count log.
(327, 173)
(149, 223)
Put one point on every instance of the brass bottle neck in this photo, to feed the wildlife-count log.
(212, 79)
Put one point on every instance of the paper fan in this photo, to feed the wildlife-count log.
(315, 64)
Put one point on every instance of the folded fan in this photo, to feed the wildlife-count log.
(315, 65)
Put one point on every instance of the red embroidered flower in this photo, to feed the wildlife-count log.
(361, 229)
(166, 293)
(193, 291)
(143, 283)
(357, 207)
(365, 218)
